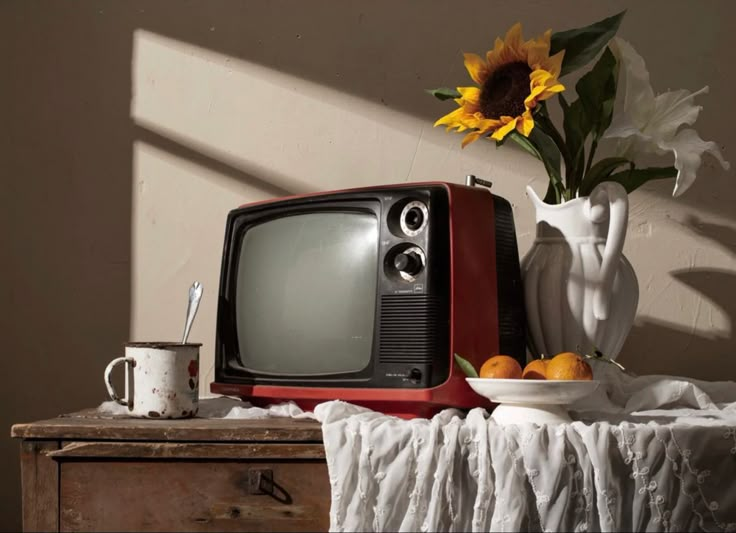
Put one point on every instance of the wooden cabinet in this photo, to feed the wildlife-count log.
(82, 473)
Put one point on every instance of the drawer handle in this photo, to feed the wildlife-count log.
(260, 481)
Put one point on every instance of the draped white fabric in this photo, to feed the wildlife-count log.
(650, 453)
(653, 453)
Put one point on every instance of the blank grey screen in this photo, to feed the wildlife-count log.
(306, 294)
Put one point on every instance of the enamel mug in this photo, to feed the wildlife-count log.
(161, 379)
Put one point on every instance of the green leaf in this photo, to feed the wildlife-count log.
(550, 156)
(581, 45)
(466, 366)
(590, 114)
(522, 141)
(600, 172)
(597, 91)
(548, 150)
(563, 102)
(552, 196)
(444, 93)
(577, 127)
(635, 178)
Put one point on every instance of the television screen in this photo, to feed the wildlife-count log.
(306, 293)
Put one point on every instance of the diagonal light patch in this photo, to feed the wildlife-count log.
(215, 132)
(283, 129)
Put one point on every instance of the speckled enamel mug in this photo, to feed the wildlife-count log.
(161, 379)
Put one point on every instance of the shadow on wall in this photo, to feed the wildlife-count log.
(65, 210)
(650, 338)
(186, 153)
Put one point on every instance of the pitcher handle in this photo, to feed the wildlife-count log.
(608, 198)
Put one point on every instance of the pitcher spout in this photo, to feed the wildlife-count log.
(534, 198)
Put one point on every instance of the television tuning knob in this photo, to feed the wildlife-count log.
(408, 262)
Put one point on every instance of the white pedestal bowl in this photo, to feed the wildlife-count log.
(531, 401)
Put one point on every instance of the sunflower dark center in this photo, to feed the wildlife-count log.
(504, 91)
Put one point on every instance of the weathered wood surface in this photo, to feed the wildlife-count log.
(175, 450)
(192, 496)
(39, 486)
(91, 473)
(191, 429)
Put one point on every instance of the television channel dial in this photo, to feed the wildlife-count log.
(413, 218)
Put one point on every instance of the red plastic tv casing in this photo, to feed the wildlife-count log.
(473, 320)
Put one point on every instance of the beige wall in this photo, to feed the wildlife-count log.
(130, 129)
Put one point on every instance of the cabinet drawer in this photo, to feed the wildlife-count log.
(191, 490)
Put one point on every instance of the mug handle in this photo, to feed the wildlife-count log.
(613, 196)
(108, 378)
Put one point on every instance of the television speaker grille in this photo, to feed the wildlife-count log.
(411, 329)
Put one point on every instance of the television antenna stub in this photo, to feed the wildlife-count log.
(472, 181)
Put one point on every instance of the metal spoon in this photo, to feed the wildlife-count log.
(195, 294)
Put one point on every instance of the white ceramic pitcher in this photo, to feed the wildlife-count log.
(580, 291)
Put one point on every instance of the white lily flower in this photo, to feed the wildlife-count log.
(652, 124)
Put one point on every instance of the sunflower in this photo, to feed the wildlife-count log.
(513, 78)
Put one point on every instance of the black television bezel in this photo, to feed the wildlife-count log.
(379, 202)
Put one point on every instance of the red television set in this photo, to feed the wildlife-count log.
(364, 295)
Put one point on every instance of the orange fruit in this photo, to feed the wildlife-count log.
(536, 369)
(569, 366)
(500, 367)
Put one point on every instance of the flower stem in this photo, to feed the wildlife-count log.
(550, 129)
(593, 147)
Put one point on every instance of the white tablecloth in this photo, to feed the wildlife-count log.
(652, 453)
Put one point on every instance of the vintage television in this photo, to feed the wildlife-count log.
(364, 295)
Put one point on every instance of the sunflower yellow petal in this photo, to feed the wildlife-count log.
(509, 54)
(493, 57)
(477, 68)
(535, 54)
(497, 47)
(508, 50)
(453, 118)
(470, 137)
(488, 124)
(539, 77)
(543, 85)
(551, 91)
(470, 95)
(554, 63)
(513, 37)
(531, 100)
(538, 50)
(546, 38)
(526, 124)
(504, 130)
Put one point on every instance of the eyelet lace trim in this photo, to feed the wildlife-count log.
(447, 476)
